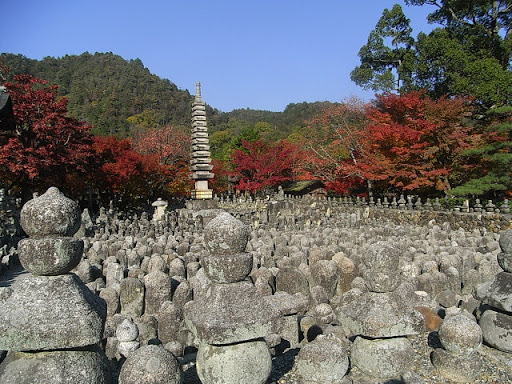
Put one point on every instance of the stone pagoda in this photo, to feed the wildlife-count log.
(200, 162)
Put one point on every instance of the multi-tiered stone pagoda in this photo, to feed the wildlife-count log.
(200, 162)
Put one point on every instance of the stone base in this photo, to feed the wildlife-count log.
(202, 194)
(248, 362)
(56, 367)
(383, 358)
(460, 369)
(324, 360)
(48, 313)
(197, 204)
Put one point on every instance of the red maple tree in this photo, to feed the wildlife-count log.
(261, 165)
(126, 173)
(414, 143)
(334, 143)
(169, 146)
(47, 147)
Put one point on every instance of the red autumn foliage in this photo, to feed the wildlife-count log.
(47, 147)
(170, 148)
(334, 144)
(414, 143)
(261, 165)
(126, 172)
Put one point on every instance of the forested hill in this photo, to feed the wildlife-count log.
(117, 96)
(111, 93)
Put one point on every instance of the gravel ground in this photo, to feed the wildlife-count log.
(496, 367)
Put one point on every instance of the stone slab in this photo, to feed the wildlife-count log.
(49, 312)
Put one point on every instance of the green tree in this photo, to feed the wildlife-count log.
(470, 54)
(490, 163)
(383, 67)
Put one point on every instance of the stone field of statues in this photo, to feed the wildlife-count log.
(282, 290)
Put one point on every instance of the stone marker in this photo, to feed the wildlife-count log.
(50, 321)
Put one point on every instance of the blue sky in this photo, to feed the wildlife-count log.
(259, 54)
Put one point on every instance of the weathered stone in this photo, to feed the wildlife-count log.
(224, 234)
(497, 329)
(177, 268)
(505, 241)
(382, 257)
(459, 369)
(460, 335)
(288, 304)
(382, 358)
(151, 364)
(170, 321)
(51, 214)
(148, 328)
(127, 331)
(50, 256)
(182, 294)
(111, 298)
(126, 348)
(227, 268)
(131, 297)
(230, 313)
(292, 280)
(325, 274)
(85, 271)
(347, 272)
(324, 360)
(497, 292)
(505, 261)
(158, 290)
(56, 367)
(377, 315)
(68, 312)
(446, 298)
(248, 363)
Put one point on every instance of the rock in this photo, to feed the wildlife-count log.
(446, 298)
(244, 314)
(183, 294)
(377, 315)
(131, 297)
(227, 268)
(383, 358)
(460, 335)
(111, 298)
(382, 261)
(158, 290)
(170, 321)
(347, 272)
(292, 281)
(151, 364)
(505, 241)
(50, 256)
(505, 261)
(459, 369)
(127, 331)
(225, 234)
(51, 214)
(126, 348)
(324, 360)
(497, 330)
(148, 329)
(56, 367)
(432, 320)
(497, 292)
(325, 274)
(248, 363)
(37, 304)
